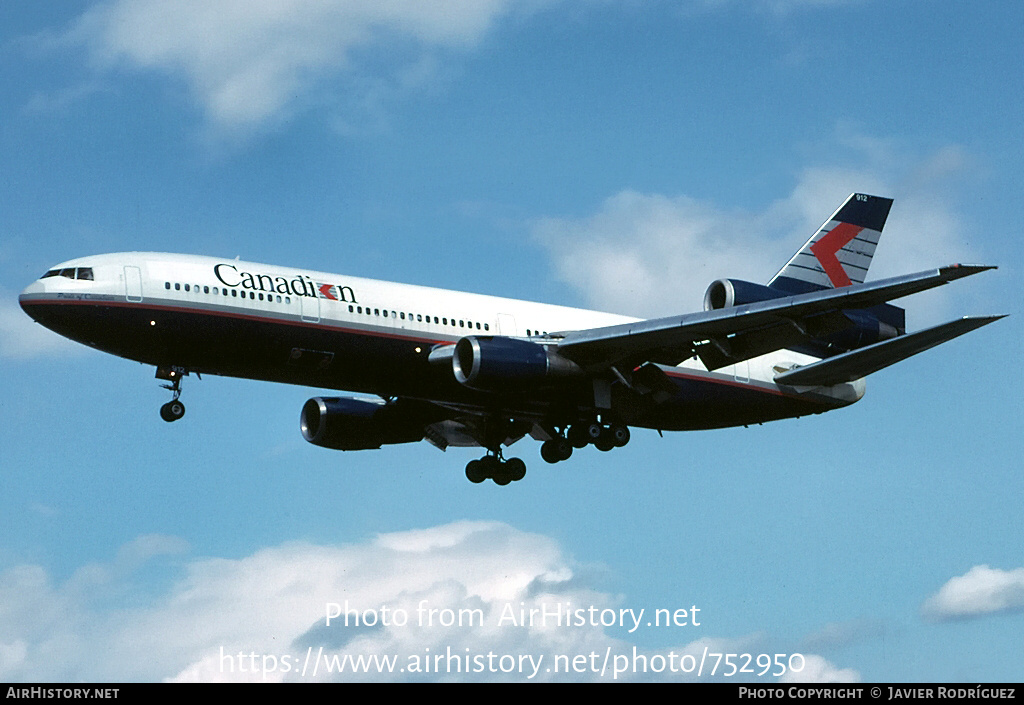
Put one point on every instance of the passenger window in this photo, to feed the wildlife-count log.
(186, 287)
(177, 286)
(167, 285)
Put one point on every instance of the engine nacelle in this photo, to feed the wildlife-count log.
(726, 293)
(870, 326)
(494, 363)
(352, 424)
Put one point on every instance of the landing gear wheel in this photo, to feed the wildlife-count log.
(578, 436)
(516, 469)
(606, 441)
(172, 411)
(549, 451)
(502, 476)
(556, 450)
(620, 435)
(476, 472)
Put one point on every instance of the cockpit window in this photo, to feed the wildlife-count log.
(84, 273)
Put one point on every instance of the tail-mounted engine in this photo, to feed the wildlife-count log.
(726, 293)
(824, 334)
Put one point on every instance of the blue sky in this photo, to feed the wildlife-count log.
(614, 155)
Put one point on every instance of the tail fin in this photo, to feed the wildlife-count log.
(840, 253)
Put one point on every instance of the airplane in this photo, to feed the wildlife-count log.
(461, 369)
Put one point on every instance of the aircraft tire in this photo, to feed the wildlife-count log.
(502, 475)
(172, 411)
(516, 469)
(606, 442)
(549, 452)
(475, 471)
(577, 435)
(620, 435)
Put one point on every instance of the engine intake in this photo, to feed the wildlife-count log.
(726, 293)
(496, 362)
(352, 424)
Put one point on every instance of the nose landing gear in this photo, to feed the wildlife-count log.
(174, 409)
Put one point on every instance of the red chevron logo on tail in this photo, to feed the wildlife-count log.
(826, 248)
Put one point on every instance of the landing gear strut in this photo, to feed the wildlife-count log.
(174, 409)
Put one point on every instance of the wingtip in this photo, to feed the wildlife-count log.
(958, 271)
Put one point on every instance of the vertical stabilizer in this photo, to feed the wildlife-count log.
(840, 253)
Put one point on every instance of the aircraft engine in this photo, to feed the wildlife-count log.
(726, 293)
(493, 363)
(855, 329)
(352, 424)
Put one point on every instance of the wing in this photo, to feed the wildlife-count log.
(728, 335)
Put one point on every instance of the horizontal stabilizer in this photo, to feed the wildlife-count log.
(862, 362)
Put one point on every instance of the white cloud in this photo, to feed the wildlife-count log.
(257, 617)
(981, 591)
(249, 62)
(655, 255)
(841, 634)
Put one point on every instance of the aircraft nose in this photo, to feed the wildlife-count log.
(31, 294)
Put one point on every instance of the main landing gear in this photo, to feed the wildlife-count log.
(174, 409)
(580, 435)
(495, 467)
(603, 436)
